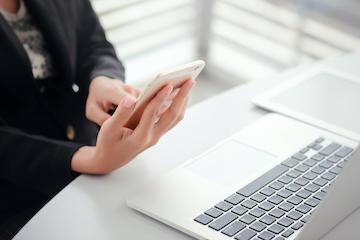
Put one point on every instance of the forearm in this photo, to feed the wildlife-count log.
(83, 161)
(35, 162)
(97, 56)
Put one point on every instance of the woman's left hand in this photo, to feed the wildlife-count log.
(104, 95)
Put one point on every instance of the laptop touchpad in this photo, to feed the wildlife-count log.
(232, 163)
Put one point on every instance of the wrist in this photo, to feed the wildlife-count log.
(83, 161)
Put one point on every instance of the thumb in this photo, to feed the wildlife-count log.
(124, 111)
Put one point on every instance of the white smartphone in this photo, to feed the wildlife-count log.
(175, 76)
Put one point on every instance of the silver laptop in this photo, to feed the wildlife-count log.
(274, 179)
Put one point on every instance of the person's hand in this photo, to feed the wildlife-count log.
(117, 145)
(104, 95)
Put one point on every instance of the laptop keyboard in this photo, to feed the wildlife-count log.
(278, 203)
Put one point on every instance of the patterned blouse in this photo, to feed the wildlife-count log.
(32, 41)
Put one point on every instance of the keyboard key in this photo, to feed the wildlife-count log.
(310, 175)
(305, 219)
(279, 238)
(287, 233)
(302, 168)
(325, 189)
(299, 156)
(277, 185)
(310, 162)
(341, 164)
(318, 170)
(301, 181)
(320, 182)
(235, 199)
(290, 162)
(267, 219)
(285, 179)
(266, 235)
(330, 149)
(277, 213)
(311, 145)
(257, 212)
(248, 204)
(286, 206)
(312, 202)
(267, 191)
(276, 228)
(213, 212)
(258, 197)
(328, 176)
(293, 187)
(303, 208)
(312, 188)
(334, 159)
(275, 200)
(258, 226)
(326, 164)
(297, 226)
(317, 147)
(294, 215)
(233, 229)
(335, 170)
(303, 193)
(266, 206)
(223, 221)
(245, 234)
(284, 193)
(285, 222)
(343, 152)
(248, 219)
(319, 195)
(239, 210)
(319, 140)
(304, 150)
(203, 219)
(224, 206)
(318, 157)
(293, 174)
(263, 180)
(294, 200)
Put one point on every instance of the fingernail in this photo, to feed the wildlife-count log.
(168, 91)
(128, 102)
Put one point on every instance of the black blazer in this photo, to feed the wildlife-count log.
(35, 120)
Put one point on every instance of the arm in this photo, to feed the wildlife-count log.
(100, 66)
(47, 166)
(97, 56)
(35, 162)
(117, 145)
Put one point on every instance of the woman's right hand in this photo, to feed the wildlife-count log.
(117, 145)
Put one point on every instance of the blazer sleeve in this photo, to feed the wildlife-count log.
(35, 162)
(97, 55)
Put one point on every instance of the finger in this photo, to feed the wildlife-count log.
(123, 112)
(174, 112)
(149, 116)
(96, 114)
(168, 101)
(137, 92)
(160, 130)
(174, 93)
(116, 95)
(182, 114)
(164, 107)
(125, 133)
(132, 91)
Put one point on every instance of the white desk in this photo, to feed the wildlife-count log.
(94, 208)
